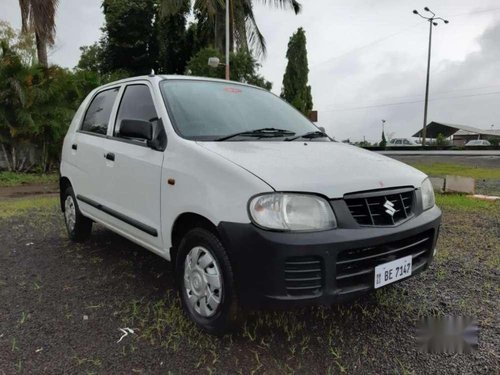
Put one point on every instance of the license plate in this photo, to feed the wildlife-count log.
(392, 271)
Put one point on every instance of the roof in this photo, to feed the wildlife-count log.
(434, 128)
(159, 77)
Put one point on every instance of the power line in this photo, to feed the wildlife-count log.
(442, 92)
(476, 12)
(376, 41)
(366, 45)
(407, 102)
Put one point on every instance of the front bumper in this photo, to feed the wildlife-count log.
(282, 269)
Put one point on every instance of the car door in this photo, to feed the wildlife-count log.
(87, 148)
(133, 170)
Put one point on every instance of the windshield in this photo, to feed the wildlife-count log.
(206, 110)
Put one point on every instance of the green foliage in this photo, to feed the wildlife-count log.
(243, 67)
(22, 44)
(129, 41)
(383, 142)
(36, 103)
(494, 141)
(465, 203)
(174, 48)
(15, 207)
(295, 90)
(9, 179)
(244, 31)
(441, 140)
(443, 169)
(91, 58)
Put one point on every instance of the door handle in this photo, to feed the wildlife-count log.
(110, 156)
(74, 146)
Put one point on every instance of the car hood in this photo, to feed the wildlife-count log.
(329, 168)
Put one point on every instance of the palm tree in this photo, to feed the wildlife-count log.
(244, 31)
(38, 16)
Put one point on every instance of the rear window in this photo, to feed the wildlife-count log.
(97, 117)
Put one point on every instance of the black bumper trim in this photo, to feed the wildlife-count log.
(262, 259)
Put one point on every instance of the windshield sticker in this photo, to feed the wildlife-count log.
(232, 90)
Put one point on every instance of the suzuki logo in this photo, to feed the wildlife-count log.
(389, 206)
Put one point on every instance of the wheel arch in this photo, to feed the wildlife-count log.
(184, 223)
(64, 183)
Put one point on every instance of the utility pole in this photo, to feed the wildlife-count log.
(433, 21)
(228, 74)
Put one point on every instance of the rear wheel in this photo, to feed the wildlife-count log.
(78, 226)
(205, 279)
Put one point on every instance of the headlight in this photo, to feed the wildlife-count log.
(291, 212)
(428, 200)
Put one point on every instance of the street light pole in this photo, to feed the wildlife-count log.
(433, 21)
(228, 75)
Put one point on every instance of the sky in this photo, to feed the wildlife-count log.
(367, 59)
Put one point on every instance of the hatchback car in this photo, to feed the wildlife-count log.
(478, 142)
(252, 203)
(402, 142)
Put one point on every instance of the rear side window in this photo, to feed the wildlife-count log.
(97, 117)
(136, 104)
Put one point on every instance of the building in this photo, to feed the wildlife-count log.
(458, 134)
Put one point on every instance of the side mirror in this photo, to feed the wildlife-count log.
(322, 129)
(131, 128)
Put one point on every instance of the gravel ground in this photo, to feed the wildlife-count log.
(61, 307)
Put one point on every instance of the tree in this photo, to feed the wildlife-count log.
(91, 58)
(244, 31)
(22, 44)
(129, 38)
(441, 140)
(295, 89)
(173, 49)
(243, 67)
(38, 16)
(383, 142)
(36, 102)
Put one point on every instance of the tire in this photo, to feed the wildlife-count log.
(205, 277)
(78, 226)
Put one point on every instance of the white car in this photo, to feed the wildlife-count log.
(478, 142)
(402, 142)
(253, 204)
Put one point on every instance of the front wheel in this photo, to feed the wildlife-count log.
(205, 279)
(78, 226)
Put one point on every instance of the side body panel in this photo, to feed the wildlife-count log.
(131, 184)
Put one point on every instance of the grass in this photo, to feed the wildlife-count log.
(464, 203)
(16, 207)
(443, 169)
(9, 179)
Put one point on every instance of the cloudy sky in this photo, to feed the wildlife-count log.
(367, 59)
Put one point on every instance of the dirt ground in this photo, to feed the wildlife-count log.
(61, 307)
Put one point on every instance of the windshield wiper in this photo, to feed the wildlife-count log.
(260, 133)
(310, 135)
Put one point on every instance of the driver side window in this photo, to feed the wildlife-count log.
(136, 104)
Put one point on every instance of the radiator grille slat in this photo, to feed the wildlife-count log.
(373, 209)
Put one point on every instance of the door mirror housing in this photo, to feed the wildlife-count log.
(132, 128)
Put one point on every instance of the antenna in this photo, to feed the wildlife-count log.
(152, 74)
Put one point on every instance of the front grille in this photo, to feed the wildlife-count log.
(371, 208)
(304, 275)
(356, 268)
